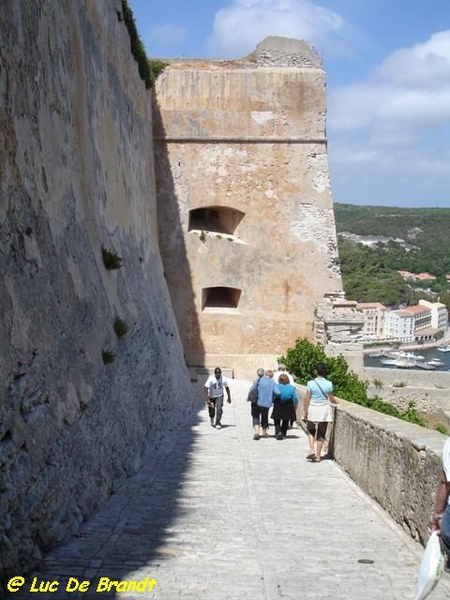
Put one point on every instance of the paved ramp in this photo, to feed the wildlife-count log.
(215, 515)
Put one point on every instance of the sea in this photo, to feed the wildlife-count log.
(427, 353)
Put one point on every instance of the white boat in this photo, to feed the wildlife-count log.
(436, 362)
(411, 356)
(444, 348)
(399, 363)
(426, 366)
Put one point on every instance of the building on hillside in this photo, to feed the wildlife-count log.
(439, 314)
(399, 326)
(374, 317)
(417, 276)
(422, 316)
(423, 330)
(422, 322)
(247, 231)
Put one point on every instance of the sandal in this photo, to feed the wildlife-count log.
(310, 456)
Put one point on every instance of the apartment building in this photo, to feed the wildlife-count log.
(421, 322)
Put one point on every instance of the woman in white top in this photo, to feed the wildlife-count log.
(317, 410)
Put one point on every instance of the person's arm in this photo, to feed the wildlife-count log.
(442, 494)
(332, 398)
(306, 400)
(206, 388)
(228, 394)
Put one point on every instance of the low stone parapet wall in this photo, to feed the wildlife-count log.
(395, 462)
(439, 380)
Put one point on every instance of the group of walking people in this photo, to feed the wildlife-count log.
(277, 390)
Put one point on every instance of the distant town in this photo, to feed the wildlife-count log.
(424, 322)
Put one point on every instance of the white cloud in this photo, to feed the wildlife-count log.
(423, 65)
(410, 89)
(239, 27)
(389, 134)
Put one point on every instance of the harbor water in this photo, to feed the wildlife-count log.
(422, 360)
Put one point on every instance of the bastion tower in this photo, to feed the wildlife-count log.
(247, 230)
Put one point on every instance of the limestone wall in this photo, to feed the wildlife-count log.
(395, 462)
(428, 390)
(76, 174)
(247, 137)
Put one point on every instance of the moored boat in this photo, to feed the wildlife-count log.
(400, 363)
(436, 362)
(426, 366)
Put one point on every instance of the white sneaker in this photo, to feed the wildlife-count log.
(218, 426)
(212, 422)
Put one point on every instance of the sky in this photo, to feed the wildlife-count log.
(388, 80)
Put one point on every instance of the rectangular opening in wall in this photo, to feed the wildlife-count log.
(220, 298)
(217, 219)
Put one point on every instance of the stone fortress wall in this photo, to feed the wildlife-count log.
(243, 192)
(76, 174)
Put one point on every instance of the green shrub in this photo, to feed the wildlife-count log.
(302, 359)
(441, 428)
(120, 327)
(108, 357)
(378, 384)
(111, 259)
(137, 47)
(156, 67)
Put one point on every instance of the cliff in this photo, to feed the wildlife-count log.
(79, 403)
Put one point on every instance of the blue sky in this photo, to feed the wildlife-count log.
(388, 71)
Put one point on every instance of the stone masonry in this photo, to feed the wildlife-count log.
(247, 229)
(76, 175)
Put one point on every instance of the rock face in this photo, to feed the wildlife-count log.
(247, 228)
(76, 175)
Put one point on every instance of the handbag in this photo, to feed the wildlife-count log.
(253, 395)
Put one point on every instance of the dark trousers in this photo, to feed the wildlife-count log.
(215, 408)
(281, 426)
(260, 414)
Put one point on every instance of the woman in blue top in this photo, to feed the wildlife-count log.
(260, 409)
(284, 403)
(317, 410)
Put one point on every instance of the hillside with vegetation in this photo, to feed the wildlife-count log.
(375, 242)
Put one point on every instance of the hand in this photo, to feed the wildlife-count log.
(229, 400)
(435, 522)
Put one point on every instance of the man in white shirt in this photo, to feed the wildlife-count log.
(214, 386)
